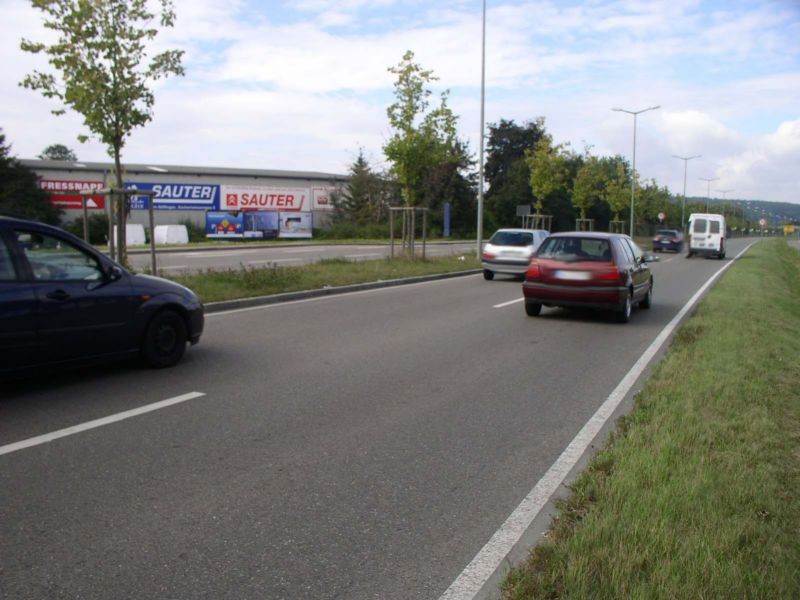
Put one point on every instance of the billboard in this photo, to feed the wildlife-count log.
(176, 196)
(294, 225)
(224, 224)
(67, 194)
(249, 197)
(261, 224)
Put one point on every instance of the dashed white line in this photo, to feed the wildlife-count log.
(509, 303)
(55, 435)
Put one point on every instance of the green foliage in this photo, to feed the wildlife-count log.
(98, 228)
(367, 196)
(20, 195)
(507, 174)
(422, 137)
(549, 170)
(197, 233)
(617, 191)
(588, 186)
(58, 152)
(104, 70)
(347, 230)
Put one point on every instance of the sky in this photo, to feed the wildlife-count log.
(305, 85)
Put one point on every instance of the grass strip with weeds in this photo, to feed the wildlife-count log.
(248, 282)
(697, 493)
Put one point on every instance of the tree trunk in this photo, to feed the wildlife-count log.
(121, 206)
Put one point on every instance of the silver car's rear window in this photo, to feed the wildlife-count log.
(512, 238)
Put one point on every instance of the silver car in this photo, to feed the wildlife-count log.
(509, 251)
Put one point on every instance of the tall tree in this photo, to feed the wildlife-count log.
(58, 152)
(101, 57)
(617, 191)
(422, 136)
(507, 174)
(20, 194)
(588, 185)
(366, 196)
(549, 169)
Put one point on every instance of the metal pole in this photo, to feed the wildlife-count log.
(685, 160)
(85, 219)
(480, 138)
(633, 178)
(391, 233)
(633, 175)
(708, 192)
(152, 235)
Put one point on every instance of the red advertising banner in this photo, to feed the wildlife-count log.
(245, 197)
(66, 194)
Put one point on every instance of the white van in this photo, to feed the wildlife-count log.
(706, 235)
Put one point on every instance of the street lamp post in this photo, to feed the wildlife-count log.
(725, 198)
(708, 193)
(685, 160)
(635, 113)
(480, 139)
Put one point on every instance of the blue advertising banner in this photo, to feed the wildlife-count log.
(261, 224)
(176, 196)
(224, 224)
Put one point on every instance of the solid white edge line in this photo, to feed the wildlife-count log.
(472, 579)
(49, 437)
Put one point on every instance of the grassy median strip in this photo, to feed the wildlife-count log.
(697, 494)
(248, 282)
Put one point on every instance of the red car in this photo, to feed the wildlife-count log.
(589, 270)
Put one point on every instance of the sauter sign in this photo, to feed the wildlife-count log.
(235, 197)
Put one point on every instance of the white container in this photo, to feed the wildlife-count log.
(171, 234)
(134, 235)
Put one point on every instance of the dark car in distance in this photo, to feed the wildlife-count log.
(668, 239)
(62, 303)
(589, 270)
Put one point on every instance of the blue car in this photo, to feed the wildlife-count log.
(64, 303)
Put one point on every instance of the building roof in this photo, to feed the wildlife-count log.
(100, 167)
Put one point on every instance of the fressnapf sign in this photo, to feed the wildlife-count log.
(67, 194)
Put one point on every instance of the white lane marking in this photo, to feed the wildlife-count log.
(509, 303)
(49, 437)
(362, 255)
(469, 583)
(329, 297)
(173, 267)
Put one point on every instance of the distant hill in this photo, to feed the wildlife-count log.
(776, 213)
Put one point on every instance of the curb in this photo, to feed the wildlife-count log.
(224, 305)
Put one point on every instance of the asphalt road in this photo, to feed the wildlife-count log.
(176, 261)
(355, 446)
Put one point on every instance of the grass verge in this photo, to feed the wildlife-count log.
(697, 493)
(248, 282)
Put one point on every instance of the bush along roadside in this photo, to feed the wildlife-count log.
(697, 493)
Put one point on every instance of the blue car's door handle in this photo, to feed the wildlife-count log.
(58, 295)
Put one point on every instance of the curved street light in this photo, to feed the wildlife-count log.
(685, 160)
(708, 193)
(635, 113)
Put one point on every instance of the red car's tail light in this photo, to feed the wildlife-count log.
(533, 272)
(609, 273)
